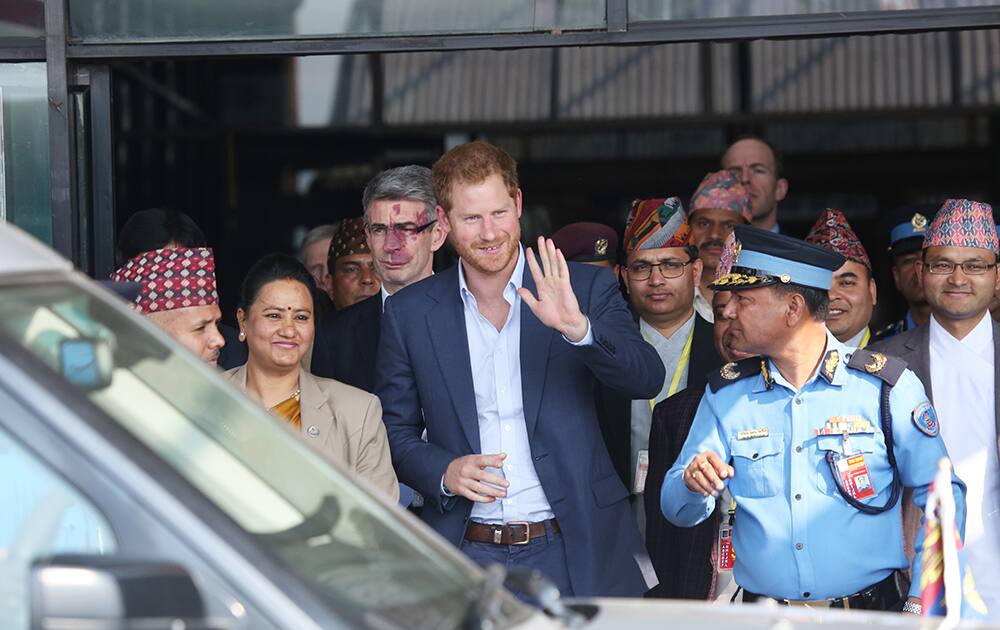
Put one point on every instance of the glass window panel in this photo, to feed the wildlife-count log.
(647, 10)
(136, 20)
(22, 18)
(24, 148)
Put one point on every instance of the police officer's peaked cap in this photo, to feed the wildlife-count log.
(907, 226)
(756, 258)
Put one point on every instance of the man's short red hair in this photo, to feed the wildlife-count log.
(472, 163)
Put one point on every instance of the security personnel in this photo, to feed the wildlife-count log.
(589, 243)
(799, 437)
(906, 237)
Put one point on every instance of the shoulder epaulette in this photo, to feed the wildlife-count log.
(885, 367)
(732, 372)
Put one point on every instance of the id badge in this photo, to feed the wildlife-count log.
(727, 555)
(641, 468)
(855, 478)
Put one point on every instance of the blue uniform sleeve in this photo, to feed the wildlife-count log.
(679, 505)
(917, 456)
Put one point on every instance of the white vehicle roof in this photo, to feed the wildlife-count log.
(22, 253)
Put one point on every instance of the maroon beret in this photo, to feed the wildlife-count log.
(587, 242)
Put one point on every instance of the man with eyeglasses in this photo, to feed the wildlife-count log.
(661, 272)
(720, 204)
(402, 234)
(956, 355)
(757, 165)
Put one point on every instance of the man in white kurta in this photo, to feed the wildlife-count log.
(962, 377)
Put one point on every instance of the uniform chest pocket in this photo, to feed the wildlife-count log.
(857, 443)
(759, 465)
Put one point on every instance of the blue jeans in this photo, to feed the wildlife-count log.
(545, 553)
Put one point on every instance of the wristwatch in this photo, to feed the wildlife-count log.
(910, 607)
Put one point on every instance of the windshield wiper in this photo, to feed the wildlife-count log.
(484, 614)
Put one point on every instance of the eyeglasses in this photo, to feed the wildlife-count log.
(379, 230)
(668, 269)
(969, 268)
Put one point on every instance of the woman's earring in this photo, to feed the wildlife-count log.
(243, 336)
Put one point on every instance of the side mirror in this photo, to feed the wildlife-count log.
(87, 363)
(81, 591)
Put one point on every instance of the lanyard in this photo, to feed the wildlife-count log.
(679, 370)
(865, 339)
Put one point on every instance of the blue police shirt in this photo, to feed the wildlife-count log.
(795, 536)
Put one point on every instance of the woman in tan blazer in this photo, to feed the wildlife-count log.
(341, 422)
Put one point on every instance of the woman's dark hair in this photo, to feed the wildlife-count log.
(274, 267)
(156, 228)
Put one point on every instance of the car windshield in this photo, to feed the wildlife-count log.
(357, 551)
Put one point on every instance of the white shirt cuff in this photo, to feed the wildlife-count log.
(444, 491)
(588, 339)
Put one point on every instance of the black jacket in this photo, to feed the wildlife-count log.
(615, 411)
(681, 556)
(346, 344)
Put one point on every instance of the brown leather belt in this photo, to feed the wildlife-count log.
(511, 533)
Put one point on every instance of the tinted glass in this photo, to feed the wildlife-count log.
(114, 20)
(372, 564)
(643, 10)
(22, 18)
(24, 148)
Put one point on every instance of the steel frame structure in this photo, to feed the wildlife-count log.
(76, 66)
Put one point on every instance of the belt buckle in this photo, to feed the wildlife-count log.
(527, 532)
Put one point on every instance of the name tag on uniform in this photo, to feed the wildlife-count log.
(855, 478)
(641, 468)
(753, 433)
(845, 425)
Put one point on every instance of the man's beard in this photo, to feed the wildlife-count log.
(471, 255)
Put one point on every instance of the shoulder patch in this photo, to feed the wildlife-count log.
(732, 372)
(886, 367)
(925, 419)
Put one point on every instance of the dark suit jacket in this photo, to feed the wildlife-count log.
(423, 364)
(682, 556)
(914, 347)
(615, 410)
(347, 342)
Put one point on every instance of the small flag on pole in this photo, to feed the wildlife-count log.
(946, 585)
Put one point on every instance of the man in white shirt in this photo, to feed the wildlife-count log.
(853, 293)
(757, 165)
(956, 355)
(661, 272)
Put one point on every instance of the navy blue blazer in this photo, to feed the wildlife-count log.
(423, 364)
(346, 342)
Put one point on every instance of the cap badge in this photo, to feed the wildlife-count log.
(919, 222)
(601, 246)
(785, 278)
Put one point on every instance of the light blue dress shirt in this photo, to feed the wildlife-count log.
(795, 536)
(495, 357)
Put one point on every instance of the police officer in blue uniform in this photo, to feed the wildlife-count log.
(906, 238)
(815, 441)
